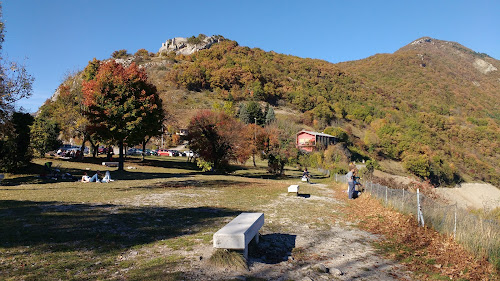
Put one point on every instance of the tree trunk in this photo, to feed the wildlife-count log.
(82, 148)
(120, 158)
(143, 149)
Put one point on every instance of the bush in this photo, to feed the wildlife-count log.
(142, 53)
(120, 54)
(418, 165)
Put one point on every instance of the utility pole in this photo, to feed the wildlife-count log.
(255, 141)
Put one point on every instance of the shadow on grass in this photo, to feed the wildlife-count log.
(35, 171)
(61, 226)
(199, 183)
(273, 248)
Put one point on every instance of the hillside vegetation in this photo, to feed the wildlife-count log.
(431, 105)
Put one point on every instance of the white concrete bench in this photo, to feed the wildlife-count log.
(238, 233)
(110, 164)
(293, 188)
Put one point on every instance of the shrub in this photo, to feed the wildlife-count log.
(142, 53)
(120, 54)
(418, 165)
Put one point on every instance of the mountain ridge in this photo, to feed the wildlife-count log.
(430, 105)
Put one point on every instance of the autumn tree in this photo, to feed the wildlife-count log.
(218, 139)
(120, 54)
(68, 109)
(278, 146)
(118, 101)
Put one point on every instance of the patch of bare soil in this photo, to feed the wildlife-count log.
(304, 238)
(472, 195)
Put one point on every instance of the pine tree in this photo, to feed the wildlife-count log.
(243, 114)
(270, 116)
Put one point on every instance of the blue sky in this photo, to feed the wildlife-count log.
(54, 37)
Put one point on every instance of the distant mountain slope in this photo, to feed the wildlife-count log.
(432, 105)
(435, 75)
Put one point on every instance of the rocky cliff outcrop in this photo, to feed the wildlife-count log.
(187, 46)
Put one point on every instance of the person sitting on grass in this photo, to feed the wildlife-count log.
(85, 177)
(94, 178)
(107, 177)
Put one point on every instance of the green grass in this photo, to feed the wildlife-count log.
(139, 227)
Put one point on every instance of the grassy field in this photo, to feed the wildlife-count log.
(75, 231)
(158, 217)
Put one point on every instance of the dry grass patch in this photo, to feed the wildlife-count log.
(228, 259)
(424, 251)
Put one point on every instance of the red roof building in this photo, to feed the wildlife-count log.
(310, 141)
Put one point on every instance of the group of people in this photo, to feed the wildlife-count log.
(96, 177)
(68, 153)
(352, 181)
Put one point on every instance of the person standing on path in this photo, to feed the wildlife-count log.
(350, 183)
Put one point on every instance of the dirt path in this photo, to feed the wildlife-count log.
(304, 238)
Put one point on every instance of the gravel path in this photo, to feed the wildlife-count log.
(304, 238)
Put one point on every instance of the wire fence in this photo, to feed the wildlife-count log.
(478, 234)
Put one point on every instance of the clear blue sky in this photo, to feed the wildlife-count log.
(54, 37)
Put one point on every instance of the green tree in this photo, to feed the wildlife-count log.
(338, 132)
(44, 136)
(67, 110)
(270, 116)
(418, 165)
(91, 69)
(117, 101)
(15, 152)
(250, 112)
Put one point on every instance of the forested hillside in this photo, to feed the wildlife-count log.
(433, 105)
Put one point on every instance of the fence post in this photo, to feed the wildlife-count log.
(386, 188)
(420, 216)
(455, 226)
(403, 201)
(336, 177)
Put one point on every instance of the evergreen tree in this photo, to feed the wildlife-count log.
(270, 116)
(254, 113)
(243, 114)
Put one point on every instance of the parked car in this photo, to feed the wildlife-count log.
(134, 151)
(163, 152)
(175, 153)
(150, 152)
(104, 150)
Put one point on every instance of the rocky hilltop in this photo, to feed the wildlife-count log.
(188, 46)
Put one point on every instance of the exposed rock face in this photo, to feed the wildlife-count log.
(181, 45)
(483, 66)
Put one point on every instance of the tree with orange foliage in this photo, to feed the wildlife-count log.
(117, 101)
(219, 139)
